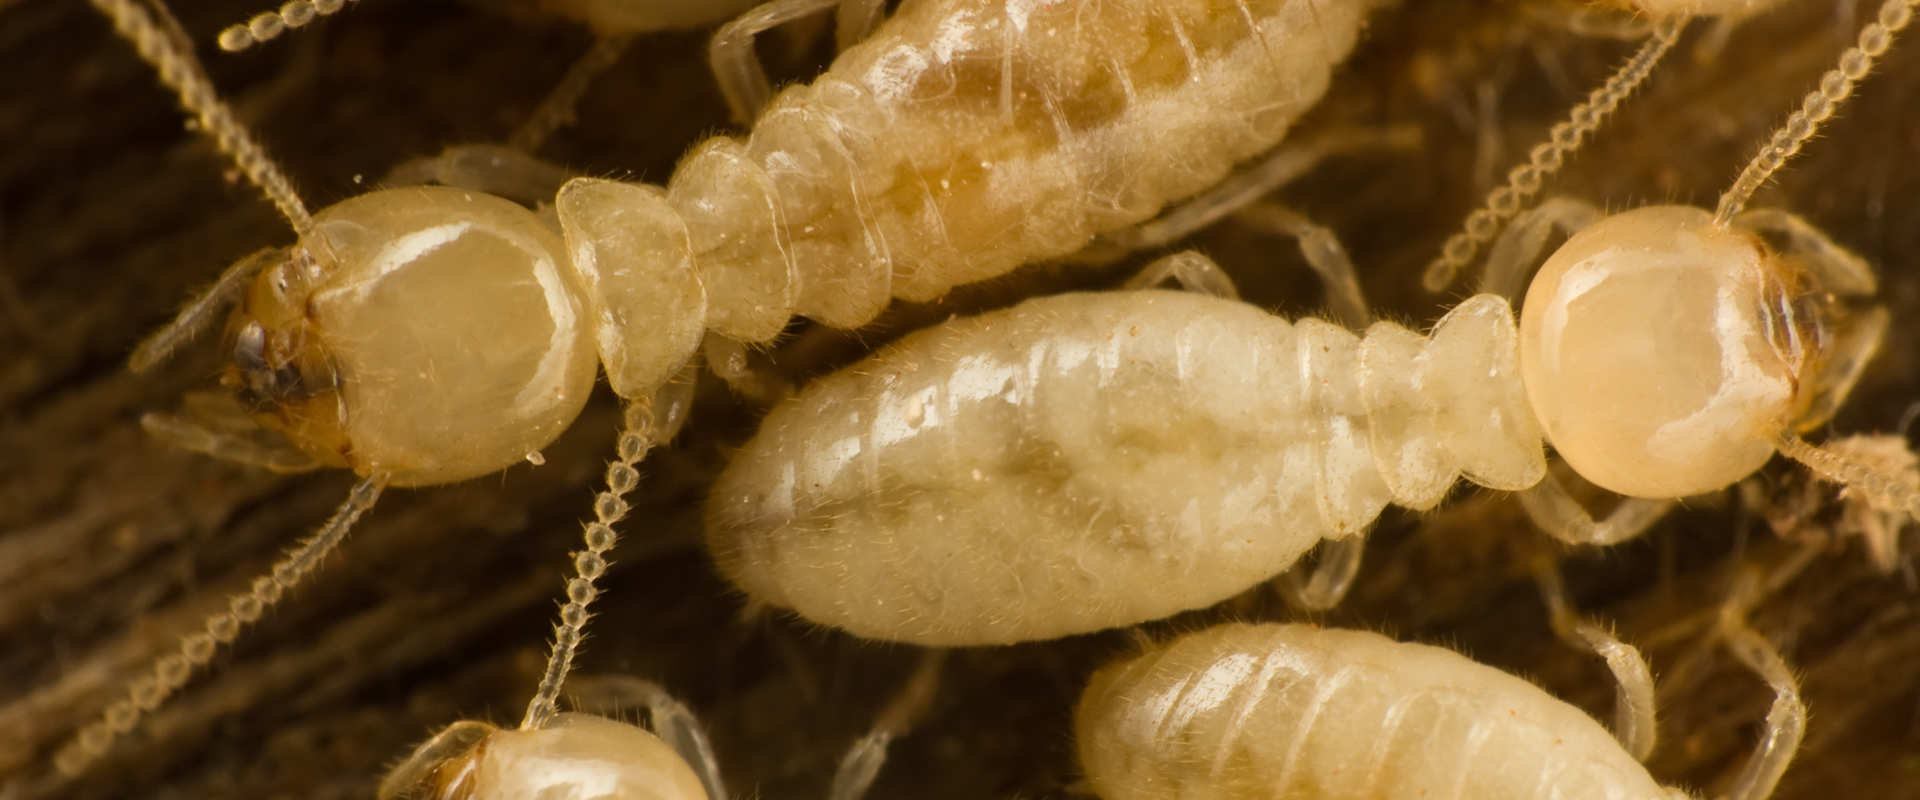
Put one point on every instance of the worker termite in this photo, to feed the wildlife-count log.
(1024, 474)
(962, 139)
(1251, 712)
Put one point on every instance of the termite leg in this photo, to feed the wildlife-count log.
(1336, 564)
(1591, 20)
(1277, 168)
(1192, 271)
(1634, 724)
(1838, 269)
(1556, 512)
(743, 82)
(216, 425)
(671, 720)
(1324, 254)
(202, 309)
(1517, 251)
(498, 170)
(1786, 719)
(862, 763)
(746, 370)
(450, 743)
(855, 21)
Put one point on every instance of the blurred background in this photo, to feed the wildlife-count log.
(112, 212)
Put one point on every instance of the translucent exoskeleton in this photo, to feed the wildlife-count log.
(422, 335)
(1056, 468)
(1261, 712)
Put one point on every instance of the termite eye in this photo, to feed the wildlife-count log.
(1658, 354)
(250, 348)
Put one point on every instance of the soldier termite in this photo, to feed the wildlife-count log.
(904, 171)
(1250, 712)
(1056, 468)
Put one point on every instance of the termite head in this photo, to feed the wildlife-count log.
(429, 333)
(1664, 354)
(576, 756)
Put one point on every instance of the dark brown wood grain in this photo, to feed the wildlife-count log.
(438, 607)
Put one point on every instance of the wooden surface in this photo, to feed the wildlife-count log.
(438, 607)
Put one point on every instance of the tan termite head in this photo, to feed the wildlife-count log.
(429, 333)
(577, 756)
(1664, 353)
(1669, 351)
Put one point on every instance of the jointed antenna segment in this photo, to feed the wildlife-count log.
(180, 72)
(1818, 105)
(1546, 158)
(172, 671)
(268, 25)
(608, 508)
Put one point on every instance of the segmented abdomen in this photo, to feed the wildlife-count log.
(1264, 712)
(1074, 463)
(967, 137)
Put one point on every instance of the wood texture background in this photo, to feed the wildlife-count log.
(438, 607)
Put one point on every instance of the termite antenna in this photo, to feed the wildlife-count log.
(1881, 490)
(268, 25)
(158, 38)
(1546, 158)
(171, 671)
(1818, 105)
(609, 507)
(181, 73)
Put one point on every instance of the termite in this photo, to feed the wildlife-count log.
(1253, 712)
(1057, 468)
(961, 139)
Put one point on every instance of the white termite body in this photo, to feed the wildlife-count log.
(1084, 461)
(959, 141)
(427, 335)
(1091, 461)
(1265, 712)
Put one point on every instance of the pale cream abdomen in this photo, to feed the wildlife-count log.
(1265, 712)
(1086, 461)
(966, 138)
